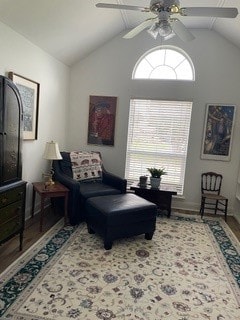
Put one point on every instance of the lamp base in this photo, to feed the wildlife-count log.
(48, 181)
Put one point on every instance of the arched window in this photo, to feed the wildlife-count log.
(165, 62)
(158, 130)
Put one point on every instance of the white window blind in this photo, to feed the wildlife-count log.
(158, 137)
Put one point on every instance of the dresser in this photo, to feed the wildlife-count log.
(12, 211)
(12, 188)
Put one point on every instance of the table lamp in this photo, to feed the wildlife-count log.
(51, 153)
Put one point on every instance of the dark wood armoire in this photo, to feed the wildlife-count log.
(12, 188)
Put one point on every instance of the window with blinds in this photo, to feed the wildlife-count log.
(158, 134)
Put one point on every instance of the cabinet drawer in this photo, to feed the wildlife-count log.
(11, 196)
(10, 227)
(10, 211)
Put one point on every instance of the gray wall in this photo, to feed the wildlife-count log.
(108, 70)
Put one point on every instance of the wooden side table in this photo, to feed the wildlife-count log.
(54, 191)
(162, 197)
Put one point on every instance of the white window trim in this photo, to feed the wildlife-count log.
(164, 47)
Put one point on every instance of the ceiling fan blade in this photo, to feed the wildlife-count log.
(145, 24)
(209, 12)
(122, 7)
(181, 31)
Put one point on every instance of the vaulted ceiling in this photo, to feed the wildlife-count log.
(70, 29)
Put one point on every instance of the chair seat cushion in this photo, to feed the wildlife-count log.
(93, 189)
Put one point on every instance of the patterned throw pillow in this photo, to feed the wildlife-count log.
(86, 165)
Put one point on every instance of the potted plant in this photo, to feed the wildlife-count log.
(156, 175)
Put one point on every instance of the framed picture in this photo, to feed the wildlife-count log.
(218, 130)
(101, 121)
(29, 92)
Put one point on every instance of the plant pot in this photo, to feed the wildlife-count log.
(155, 182)
(143, 181)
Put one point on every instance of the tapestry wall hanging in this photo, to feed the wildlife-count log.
(218, 130)
(29, 92)
(101, 122)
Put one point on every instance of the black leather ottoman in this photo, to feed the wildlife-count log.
(119, 216)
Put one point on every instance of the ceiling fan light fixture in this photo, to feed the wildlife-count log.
(171, 35)
(164, 29)
(153, 31)
(161, 28)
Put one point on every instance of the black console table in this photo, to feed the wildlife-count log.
(162, 196)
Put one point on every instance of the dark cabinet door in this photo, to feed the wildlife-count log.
(10, 133)
(12, 188)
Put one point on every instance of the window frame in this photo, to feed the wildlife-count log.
(164, 47)
(132, 167)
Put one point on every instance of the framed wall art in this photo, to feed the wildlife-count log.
(101, 121)
(218, 131)
(29, 92)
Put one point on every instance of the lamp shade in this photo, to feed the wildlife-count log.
(52, 151)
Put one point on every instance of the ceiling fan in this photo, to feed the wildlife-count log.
(163, 23)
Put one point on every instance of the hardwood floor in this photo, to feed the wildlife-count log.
(9, 251)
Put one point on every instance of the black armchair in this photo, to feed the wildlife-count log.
(80, 191)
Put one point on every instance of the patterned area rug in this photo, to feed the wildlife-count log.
(189, 271)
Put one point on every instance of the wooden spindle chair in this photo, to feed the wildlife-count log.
(211, 198)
